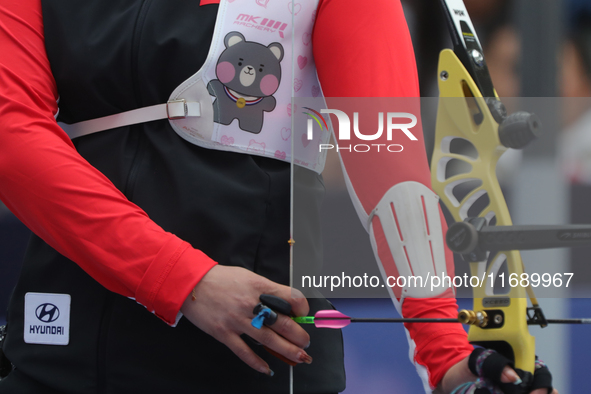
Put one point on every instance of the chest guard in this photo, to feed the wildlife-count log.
(241, 98)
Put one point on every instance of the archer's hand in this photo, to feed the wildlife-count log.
(460, 374)
(225, 298)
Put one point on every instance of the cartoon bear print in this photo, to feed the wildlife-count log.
(248, 75)
(256, 147)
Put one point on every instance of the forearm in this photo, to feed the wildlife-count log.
(375, 59)
(66, 201)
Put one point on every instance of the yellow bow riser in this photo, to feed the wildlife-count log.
(463, 114)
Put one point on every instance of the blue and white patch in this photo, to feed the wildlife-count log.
(47, 318)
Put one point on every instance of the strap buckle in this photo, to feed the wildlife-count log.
(177, 109)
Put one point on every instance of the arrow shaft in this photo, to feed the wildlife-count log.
(406, 320)
(347, 320)
(312, 320)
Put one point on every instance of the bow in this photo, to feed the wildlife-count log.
(474, 130)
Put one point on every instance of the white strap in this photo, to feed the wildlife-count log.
(173, 109)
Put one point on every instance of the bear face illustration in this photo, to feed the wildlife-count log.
(256, 147)
(248, 74)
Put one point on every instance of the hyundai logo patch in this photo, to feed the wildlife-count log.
(47, 313)
(47, 319)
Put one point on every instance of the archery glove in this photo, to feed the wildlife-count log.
(488, 365)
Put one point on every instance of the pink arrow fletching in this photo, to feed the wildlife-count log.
(331, 319)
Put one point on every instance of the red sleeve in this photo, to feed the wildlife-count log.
(66, 201)
(364, 49)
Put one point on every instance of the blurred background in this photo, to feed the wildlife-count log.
(533, 48)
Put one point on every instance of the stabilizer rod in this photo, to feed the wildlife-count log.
(473, 238)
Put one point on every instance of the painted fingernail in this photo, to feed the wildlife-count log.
(266, 371)
(308, 345)
(303, 357)
(512, 376)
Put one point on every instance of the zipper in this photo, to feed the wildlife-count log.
(136, 84)
(135, 50)
(103, 338)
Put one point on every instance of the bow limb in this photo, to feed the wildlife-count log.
(461, 105)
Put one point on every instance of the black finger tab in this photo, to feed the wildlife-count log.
(488, 364)
(276, 303)
(542, 377)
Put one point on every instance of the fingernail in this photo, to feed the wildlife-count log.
(308, 345)
(303, 357)
(512, 376)
(266, 371)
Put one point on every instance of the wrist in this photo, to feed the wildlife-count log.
(456, 375)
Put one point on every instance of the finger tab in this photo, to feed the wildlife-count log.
(276, 303)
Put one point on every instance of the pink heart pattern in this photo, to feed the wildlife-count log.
(285, 132)
(227, 140)
(295, 108)
(262, 3)
(302, 61)
(297, 84)
(306, 38)
(280, 155)
(315, 91)
(297, 7)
